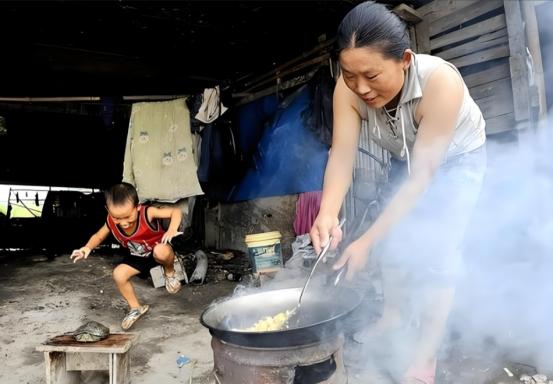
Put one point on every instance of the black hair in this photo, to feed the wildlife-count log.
(370, 24)
(120, 193)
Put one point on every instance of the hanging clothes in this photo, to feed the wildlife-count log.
(159, 156)
(212, 107)
(307, 209)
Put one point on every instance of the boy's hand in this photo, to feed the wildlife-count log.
(168, 236)
(79, 254)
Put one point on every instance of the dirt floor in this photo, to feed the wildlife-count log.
(40, 299)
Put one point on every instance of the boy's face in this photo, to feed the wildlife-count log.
(124, 215)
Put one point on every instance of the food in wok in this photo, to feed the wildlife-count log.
(272, 323)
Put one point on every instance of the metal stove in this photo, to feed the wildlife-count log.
(318, 363)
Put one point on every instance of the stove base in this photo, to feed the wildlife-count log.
(320, 363)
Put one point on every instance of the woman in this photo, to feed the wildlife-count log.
(418, 108)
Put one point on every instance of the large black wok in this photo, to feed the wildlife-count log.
(322, 315)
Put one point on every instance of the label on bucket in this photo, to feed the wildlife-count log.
(266, 258)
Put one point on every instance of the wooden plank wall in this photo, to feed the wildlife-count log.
(475, 36)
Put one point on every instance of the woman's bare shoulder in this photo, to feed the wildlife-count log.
(443, 81)
(345, 100)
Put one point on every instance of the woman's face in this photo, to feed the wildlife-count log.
(375, 78)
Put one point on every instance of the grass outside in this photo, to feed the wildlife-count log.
(27, 198)
(18, 211)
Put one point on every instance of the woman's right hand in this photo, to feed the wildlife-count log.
(323, 227)
(81, 253)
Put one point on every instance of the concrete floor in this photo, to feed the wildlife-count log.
(40, 299)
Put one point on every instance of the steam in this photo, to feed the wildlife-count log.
(504, 298)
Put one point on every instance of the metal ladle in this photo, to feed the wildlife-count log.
(319, 258)
(290, 313)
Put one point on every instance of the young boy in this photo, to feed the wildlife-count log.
(136, 227)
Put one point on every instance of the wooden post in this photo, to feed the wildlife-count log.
(517, 59)
(413, 38)
(533, 37)
(422, 31)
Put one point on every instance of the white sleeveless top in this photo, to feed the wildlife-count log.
(469, 133)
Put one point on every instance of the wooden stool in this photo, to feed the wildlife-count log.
(65, 358)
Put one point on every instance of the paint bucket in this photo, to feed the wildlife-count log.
(264, 251)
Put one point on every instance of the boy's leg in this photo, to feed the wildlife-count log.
(164, 255)
(122, 275)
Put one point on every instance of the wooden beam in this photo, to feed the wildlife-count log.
(463, 15)
(86, 361)
(502, 123)
(487, 26)
(496, 105)
(439, 8)
(498, 87)
(281, 75)
(248, 97)
(519, 71)
(115, 343)
(484, 41)
(408, 14)
(321, 47)
(497, 72)
(482, 56)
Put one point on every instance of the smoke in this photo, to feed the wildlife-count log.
(503, 302)
(505, 295)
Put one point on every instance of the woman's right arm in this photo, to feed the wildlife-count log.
(339, 169)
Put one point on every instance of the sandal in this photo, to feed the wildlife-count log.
(172, 283)
(421, 375)
(133, 315)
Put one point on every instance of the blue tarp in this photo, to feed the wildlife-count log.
(251, 120)
(289, 158)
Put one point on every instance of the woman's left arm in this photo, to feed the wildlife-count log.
(439, 108)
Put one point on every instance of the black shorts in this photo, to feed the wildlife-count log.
(141, 264)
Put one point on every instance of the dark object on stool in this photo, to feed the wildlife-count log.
(90, 332)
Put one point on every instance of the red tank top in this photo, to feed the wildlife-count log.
(144, 238)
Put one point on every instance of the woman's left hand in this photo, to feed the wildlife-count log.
(355, 256)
